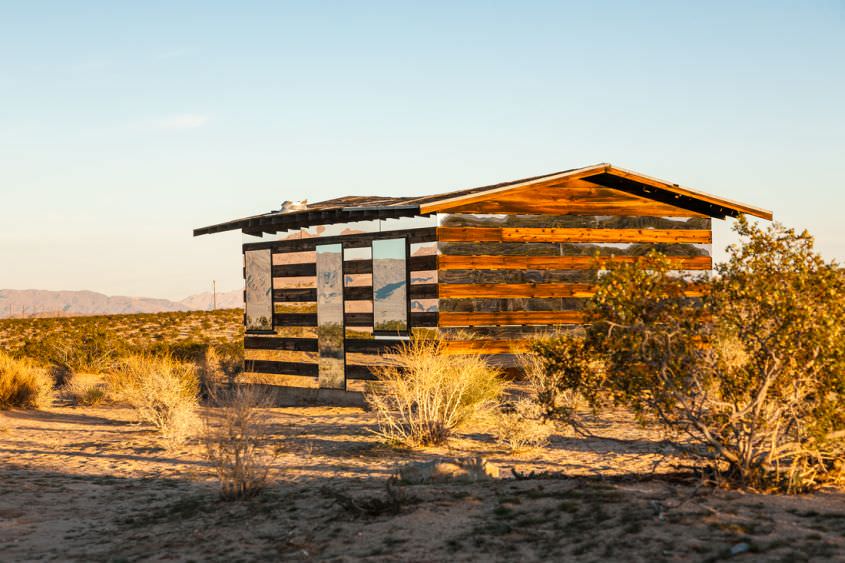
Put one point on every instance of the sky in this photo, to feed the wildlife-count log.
(123, 126)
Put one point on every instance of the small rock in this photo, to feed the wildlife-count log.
(441, 470)
(740, 548)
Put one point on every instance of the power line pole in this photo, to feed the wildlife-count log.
(213, 295)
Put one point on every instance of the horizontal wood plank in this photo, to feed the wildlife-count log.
(356, 240)
(490, 262)
(512, 290)
(526, 234)
(511, 318)
(486, 346)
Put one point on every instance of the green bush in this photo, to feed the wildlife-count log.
(750, 368)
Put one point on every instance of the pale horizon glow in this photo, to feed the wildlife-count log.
(125, 128)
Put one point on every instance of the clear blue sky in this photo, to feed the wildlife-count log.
(125, 125)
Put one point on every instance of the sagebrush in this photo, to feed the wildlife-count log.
(426, 394)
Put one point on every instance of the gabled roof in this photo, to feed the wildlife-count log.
(362, 208)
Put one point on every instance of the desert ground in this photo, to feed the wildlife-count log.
(91, 484)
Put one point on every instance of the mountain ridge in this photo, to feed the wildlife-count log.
(51, 303)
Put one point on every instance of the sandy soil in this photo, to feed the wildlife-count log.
(90, 484)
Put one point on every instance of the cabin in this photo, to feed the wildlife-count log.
(332, 287)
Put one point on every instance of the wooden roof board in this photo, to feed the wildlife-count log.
(349, 208)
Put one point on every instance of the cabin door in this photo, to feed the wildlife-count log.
(330, 329)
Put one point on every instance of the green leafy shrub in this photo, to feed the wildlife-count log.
(23, 383)
(427, 393)
(751, 370)
(559, 368)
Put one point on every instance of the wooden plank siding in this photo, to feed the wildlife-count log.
(518, 234)
(520, 265)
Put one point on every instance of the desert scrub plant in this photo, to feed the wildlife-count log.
(426, 394)
(84, 391)
(522, 426)
(559, 368)
(233, 444)
(92, 349)
(162, 391)
(750, 369)
(23, 383)
(220, 367)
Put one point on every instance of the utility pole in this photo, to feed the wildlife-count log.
(213, 295)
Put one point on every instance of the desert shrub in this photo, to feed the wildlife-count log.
(84, 392)
(559, 368)
(23, 383)
(91, 350)
(522, 426)
(234, 444)
(751, 370)
(163, 392)
(220, 367)
(422, 398)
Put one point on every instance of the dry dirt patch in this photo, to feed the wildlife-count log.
(90, 484)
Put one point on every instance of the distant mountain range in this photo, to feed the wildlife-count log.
(44, 303)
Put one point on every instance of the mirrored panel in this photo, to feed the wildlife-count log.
(259, 290)
(330, 316)
(390, 286)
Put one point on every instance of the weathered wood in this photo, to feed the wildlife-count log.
(516, 290)
(575, 221)
(569, 249)
(486, 346)
(510, 262)
(574, 198)
(511, 318)
(526, 234)
(357, 240)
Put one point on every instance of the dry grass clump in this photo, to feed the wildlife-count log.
(23, 383)
(522, 427)
(163, 392)
(234, 445)
(84, 391)
(427, 394)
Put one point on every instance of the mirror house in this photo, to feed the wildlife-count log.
(332, 287)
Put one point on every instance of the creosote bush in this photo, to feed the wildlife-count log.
(750, 367)
(427, 393)
(559, 368)
(234, 442)
(163, 392)
(23, 383)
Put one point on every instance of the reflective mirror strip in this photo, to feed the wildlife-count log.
(330, 316)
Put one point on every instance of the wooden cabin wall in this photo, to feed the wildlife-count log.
(289, 355)
(506, 275)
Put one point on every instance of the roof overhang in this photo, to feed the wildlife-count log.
(275, 222)
(619, 179)
(603, 174)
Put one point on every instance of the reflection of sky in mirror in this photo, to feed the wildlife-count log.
(393, 249)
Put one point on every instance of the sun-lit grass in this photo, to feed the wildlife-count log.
(23, 383)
